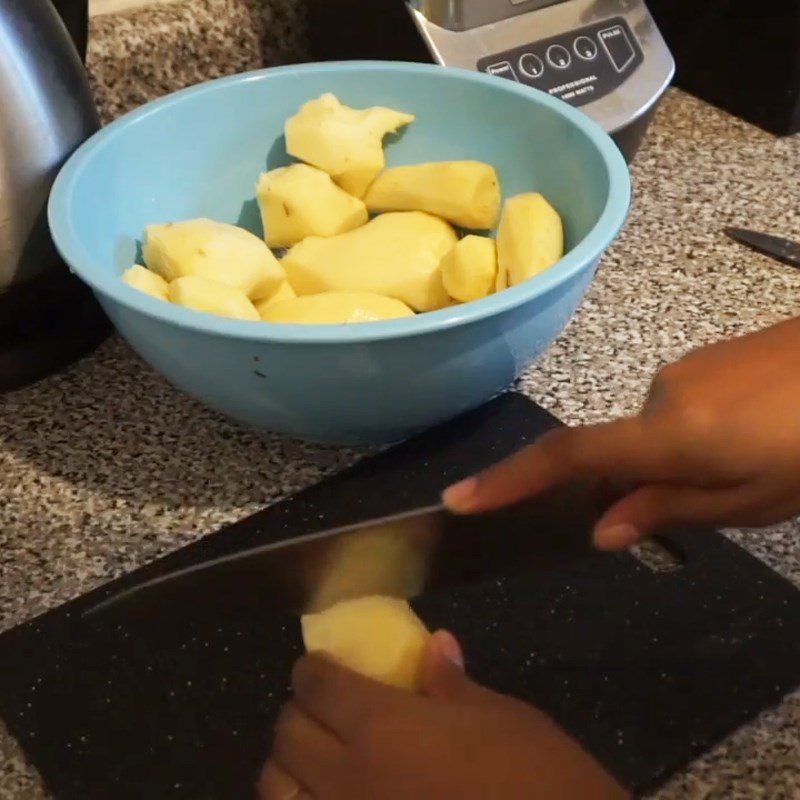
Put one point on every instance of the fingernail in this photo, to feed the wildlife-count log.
(461, 496)
(448, 646)
(616, 537)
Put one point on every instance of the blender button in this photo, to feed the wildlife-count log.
(531, 66)
(559, 56)
(585, 48)
(503, 69)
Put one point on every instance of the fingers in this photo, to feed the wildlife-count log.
(442, 672)
(656, 507)
(623, 447)
(443, 676)
(304, 751)
(275, 784)
(338, 698)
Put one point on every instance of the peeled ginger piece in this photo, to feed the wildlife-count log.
(396, 255)
(378, 637)
(330, 308)
(213, 297)
(284, 292)
(214, 250)
(530, 239)
(389, 559)
(301, 201)
(469, 270)
(345, 142)
(146, 281)
(466, 193)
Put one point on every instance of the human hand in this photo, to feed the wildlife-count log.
(345, 737)
(717, 442)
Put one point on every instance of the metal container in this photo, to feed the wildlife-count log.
(47, 318)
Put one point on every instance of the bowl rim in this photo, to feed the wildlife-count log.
(114, 288)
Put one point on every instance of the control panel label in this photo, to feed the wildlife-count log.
(579, 66)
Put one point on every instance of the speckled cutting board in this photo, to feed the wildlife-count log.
(646, 668)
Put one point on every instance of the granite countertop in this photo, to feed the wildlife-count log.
(106, 467)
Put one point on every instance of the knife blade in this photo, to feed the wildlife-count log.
(781, 249)
(402, 556)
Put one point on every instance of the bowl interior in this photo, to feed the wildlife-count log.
(200, 152)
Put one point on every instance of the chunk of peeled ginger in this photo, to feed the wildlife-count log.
(331, 308)
(284, 292)
(301, 201)
(388, 559)
(378, 637)
(345, 142)
(469, 270)
(396, 255)
(530, 239)
(146, 281)
(213, 297)
(466, 193)
(214, 250)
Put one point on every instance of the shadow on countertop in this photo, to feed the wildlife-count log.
(111, 425)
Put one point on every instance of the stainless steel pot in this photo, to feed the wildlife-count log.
(46, 110)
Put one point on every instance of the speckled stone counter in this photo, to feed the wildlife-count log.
(136, 56)
(106, 467)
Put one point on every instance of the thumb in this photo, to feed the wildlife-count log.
(443, 673)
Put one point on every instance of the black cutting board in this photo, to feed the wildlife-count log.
(647, 669)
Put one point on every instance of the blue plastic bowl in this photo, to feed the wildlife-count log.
(199, 153)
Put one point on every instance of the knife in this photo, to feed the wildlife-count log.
(784, 250)
(404, 555)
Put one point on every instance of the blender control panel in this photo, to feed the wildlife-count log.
(579, 66)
